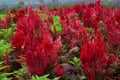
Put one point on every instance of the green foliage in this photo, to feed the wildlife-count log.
(89, 30)
(19, 73)
(2, 16)
(14, 8)
(66, 79)
(56, 24)
(4, 48)
(37, 9)
(43, 16)
(3, 10)
(21, 2)
(6, 34)
(5, 78)
(56, 5)
(75, 61)
(57, 78)
(40, 78)
(56, 19)
(107, 45)
(3, 75)
(44, 77)
(2, 67)
(1, 63)
(107, 4)
(13, 26)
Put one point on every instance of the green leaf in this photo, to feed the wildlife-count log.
(75, 61)
(4, 48)
(1, 63)
(19, 73)
(72, 62)
(5, 78)
(43, 16)
(6, 34)
(3, 75)
(56, 25)
(2, 16)
(107, 45)
(56, 19)
(90, 30)
(13, 26)
(57, 78)
(44, 77)
(2, 68)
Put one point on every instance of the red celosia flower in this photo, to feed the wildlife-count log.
(117, 15)
(59, 70)
(21, 57)
(6, 22)
(40, 49)
(33, 29)
(35, 59)
(98, 2)
(111, 59)
(79, 9)
(73, 31)
(7, 62)
(7, 59)
(93, 55)
(18, 40)
(20, 14)
(94, 13)
(40, 56)
(89, 18)
(113, 33)
(92, 75)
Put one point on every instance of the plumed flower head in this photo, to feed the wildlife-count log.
(93, 54)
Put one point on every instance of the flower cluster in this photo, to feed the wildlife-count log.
(37, 42)
(6, 22)
(93, 29)
(93, 55)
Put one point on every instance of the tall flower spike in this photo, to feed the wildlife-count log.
(93, 55)
(41, 51)
(113, 33)
(18, 40)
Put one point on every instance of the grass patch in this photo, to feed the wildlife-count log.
(2, 16)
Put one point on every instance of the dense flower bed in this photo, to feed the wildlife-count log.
(76, 43)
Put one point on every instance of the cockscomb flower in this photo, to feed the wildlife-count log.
(89, 18)
(18, 14)
(34, 29)
(94, 13)
(79, 9)
(42, 53)
(73, 31)
(18, 40)
(93, 55)
(6, 22)
(59, 70)
(45, 52)
(98, 2)
(117, 16)
(40, 49)
(113, 33)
